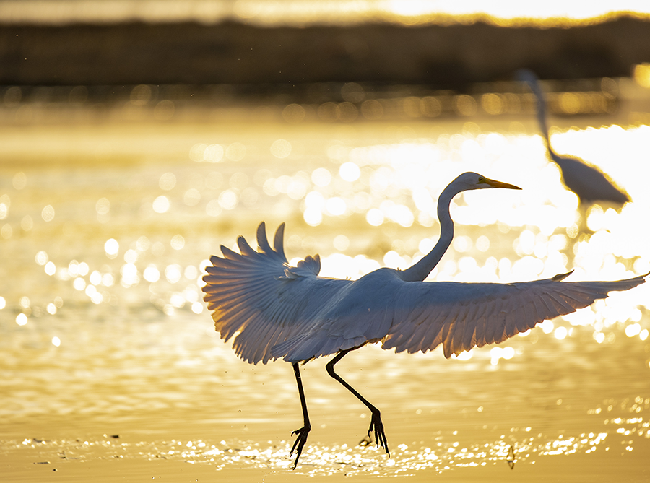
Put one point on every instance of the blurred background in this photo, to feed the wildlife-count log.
(137, 136)
(301, 51)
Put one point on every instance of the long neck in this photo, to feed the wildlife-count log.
(423, 267)
(541, 112)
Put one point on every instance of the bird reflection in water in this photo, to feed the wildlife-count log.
(277, 311)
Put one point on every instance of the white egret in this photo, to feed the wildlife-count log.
(586, 181)
(277, 311)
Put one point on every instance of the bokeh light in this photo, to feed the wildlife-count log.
(167, 181)
(281, 148)
(47, 213)
(111, 247)
(161, 204)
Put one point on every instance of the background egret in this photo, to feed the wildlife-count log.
(586, 181)
(277, 311)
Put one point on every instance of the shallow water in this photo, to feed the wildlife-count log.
(109, 353)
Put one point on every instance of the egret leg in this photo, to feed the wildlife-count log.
(376, 425)
(303, 432)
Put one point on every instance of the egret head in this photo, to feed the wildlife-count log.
(527, 76)
(475, 181)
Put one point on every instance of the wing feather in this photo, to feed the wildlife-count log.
(230, 255)
(511, 318)
(222, 263)
(447, 324)
(456, 329)
(244, 248)
(428, 331)
(464, 315)
(260, 300)
(529, 312)
(469, 335)
(278, 242)
(481, 321)
(263, 242)
(417, 336)
(510, 325)
(497, 318)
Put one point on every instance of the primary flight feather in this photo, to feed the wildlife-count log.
(277, 311)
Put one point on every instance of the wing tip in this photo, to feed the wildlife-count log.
(561, 276)
(278, 240)
(313, 264)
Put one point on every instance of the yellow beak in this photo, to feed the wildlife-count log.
(500, 184)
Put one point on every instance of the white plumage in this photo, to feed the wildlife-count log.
(276, 311)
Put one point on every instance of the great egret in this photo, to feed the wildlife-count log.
(278, 311)
(590, 184)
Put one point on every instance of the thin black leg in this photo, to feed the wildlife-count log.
(375, 422)
(303, 432)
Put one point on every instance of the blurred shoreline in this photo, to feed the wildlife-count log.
(578, 103)
(285, 58)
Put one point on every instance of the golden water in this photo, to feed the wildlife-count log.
(109, 357)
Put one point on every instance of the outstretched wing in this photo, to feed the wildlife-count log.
(461, 316)
(419, 316)
(258, 297)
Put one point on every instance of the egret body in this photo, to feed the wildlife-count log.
(277, 311)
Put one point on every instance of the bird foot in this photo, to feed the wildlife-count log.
(377, 427)
(299, 444)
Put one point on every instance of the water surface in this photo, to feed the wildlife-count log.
(109, 356)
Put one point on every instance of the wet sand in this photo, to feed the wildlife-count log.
(138, 459)
(601, 469)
